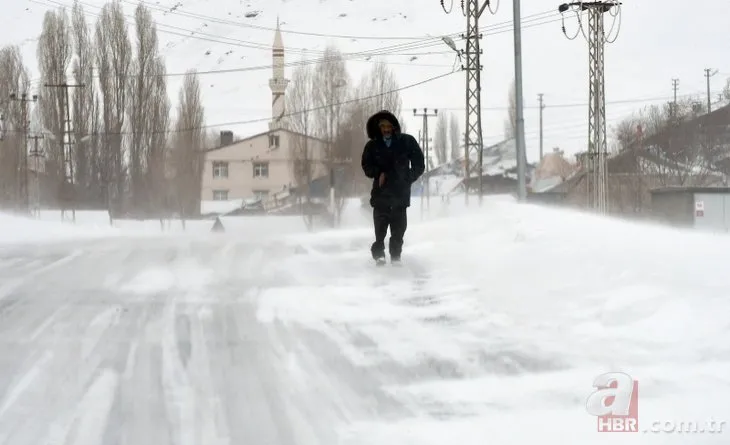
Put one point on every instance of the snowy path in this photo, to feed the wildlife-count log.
(103, 344)
(165, 341)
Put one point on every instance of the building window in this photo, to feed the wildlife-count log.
(260, 194)
(261, 170)
(220, 169)
(274, 140)
(220, 195)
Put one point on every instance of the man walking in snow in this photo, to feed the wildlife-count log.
(394, 161)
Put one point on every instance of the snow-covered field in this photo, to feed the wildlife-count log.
(492, 331)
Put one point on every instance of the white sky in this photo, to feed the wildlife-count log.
(658, 41)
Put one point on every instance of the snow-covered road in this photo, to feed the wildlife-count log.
(107, 342)
(492, 333)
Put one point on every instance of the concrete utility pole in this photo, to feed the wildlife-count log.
(709, 73)
(23, 192)
(67, 189)
(597, 178)
(519, 111)
(36, 154)
(542, 107)
(425, 146)
(472, 10)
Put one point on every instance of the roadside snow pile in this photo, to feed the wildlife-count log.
(20, 230)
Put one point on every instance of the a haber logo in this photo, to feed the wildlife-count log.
(615, 402)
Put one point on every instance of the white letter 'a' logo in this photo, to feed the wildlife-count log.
(621, 393)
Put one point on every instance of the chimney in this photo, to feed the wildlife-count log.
(226, 138)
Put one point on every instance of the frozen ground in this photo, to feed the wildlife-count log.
(492, 332)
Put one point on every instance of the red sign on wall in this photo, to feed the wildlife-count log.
(700, 208)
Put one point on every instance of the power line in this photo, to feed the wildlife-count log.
(308, 110)
(392, 50)
(266, 119)
(177, 11)
(193, 34)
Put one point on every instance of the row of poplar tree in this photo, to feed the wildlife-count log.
(127, 155)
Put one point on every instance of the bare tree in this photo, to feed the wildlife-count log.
(678, 151)
(54, 56)
(455, 137)
(377, 90)
(441, 139)
(85, 147)
(188, 144)
(113, 59)
(381, 83)
(299, 101)
(14, 78)
(141, 84)
(625, 133)
(155, 139)
(510, 124)
(330, 92)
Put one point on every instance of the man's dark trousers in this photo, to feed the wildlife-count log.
(396, 219)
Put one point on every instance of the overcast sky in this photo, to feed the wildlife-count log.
(658, 41)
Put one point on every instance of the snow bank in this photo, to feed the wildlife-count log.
(17, 230)
(504, 315)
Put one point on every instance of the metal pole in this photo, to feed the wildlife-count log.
(708, 74)
(596, 171)
(472, 10)
(23, 190)
(542, 107)
(37, 154)
(423, 184)
(520, 139)
(425, 189)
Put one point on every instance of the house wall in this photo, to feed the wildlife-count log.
(242, 156)
(628, 193)
(673, 208)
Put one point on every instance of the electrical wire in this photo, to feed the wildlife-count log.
(489, 5)
(367, 54)
(617, 16)
(199, 35)
(267, 119)
(450, 8)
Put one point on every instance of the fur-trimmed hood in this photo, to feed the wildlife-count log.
(372, 128)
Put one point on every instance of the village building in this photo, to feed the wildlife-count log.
(261, 167)
(693, 153)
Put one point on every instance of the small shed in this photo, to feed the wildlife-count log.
(704, 208)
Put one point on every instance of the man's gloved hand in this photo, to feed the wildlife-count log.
(381, 180)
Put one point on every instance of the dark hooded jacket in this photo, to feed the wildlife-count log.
(402, 163)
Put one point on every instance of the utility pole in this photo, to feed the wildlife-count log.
(519, 112)
(67, 189)
(23, 193)
(472, 10)
(425, 147)
(542, 107)
(596, 177)
(36, 154)
(709, 73)
(673, 105)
